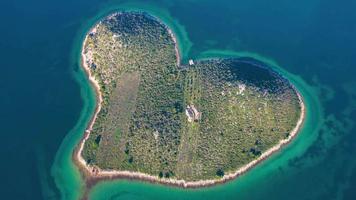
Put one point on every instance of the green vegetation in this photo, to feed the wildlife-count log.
(143, 125)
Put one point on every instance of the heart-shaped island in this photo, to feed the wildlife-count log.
(189, 125)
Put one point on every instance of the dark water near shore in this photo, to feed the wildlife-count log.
(46, 100)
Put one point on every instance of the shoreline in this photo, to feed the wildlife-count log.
(94, 174)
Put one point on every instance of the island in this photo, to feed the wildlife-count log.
(183, 124)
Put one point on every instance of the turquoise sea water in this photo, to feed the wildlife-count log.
(47, 100)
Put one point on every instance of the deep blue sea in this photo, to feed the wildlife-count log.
(46, 101)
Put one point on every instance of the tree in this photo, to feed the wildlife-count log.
(220, 172)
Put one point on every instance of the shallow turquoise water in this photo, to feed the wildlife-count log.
(47, 101)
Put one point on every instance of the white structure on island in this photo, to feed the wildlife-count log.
(242, 88)
(192, 113)
(191, 62)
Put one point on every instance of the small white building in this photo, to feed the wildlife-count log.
(191, 62)
(192, 113)
(242, 88)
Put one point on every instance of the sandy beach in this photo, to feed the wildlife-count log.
(95, 174)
